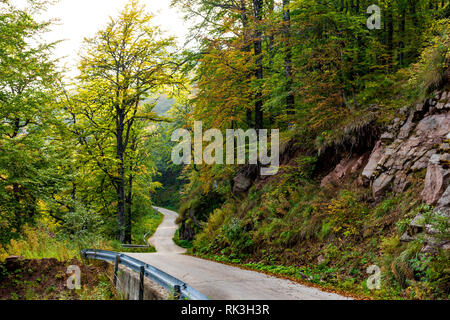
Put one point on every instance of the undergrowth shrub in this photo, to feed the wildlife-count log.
(145, 225)
(82, 228)
(427, 74)
(346, 213)
(38, 243)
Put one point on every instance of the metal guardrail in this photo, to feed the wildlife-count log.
(146, 245)
(180, 289)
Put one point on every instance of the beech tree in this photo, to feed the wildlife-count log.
(124, 64)
(30, 144)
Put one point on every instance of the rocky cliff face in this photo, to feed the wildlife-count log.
(419, 139)
(417, 143)
(412, 145)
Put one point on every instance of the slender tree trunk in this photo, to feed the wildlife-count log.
(246, 48)
(401, 55)
(271, 52)
(129, 206)
(258, 6)
(129, 199)
(413, 12)
(390, 37)
(290, 99)
(120, 118)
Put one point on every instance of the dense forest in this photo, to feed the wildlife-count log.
(86, 158)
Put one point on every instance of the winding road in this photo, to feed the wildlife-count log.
(219, 281)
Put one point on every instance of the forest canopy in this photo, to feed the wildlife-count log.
(92, 155)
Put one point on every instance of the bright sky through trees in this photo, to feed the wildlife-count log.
(83, 18)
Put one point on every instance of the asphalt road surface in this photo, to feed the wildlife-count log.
(219, 281)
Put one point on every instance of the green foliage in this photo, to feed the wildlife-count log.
(180, 242)
(437, 221)
(427, 74)
(385, 207)
(236, 236)
(88, 163)
(346, 213)
(83, 227)
(31, 152)
(146, 225)
(122, 69)
(38, 243)
(330, 238)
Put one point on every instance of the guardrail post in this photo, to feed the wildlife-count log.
(177, 292)
(180, 291)
(141, 282)
(116, 268)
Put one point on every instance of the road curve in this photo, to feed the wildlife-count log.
(162, 238)
(219, 281)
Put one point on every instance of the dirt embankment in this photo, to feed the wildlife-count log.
(46, 279)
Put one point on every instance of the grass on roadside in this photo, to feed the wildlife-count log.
(180, 242)
(145, 226)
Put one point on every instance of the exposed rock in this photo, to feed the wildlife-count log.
(403, 110)
(241, 183)
(421, 142)
(401, 182)
(443, 204)
(244, 178)
(435, 126)
(420, 107)
(381, 184)
(418, 221)
(187, 227)
(375, 157)
(422, 163)
(417, 225)
(407, 127)
(344, 169)
(407, 238)
(434, 241)
(429, 249)
(429, 229)
(386, 160)
(410, 151)
(437, 95)
(387, 137)
(436, 180)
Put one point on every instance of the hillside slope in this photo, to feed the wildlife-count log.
(385, 204)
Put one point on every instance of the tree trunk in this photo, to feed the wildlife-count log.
(401, 55)
(129, 199)
(290, 99)
(413, 12)
(246, 48)
(129, 205)
(257, 6)
(390, 37)
(120, 117)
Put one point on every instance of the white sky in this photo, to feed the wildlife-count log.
(83, 18)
